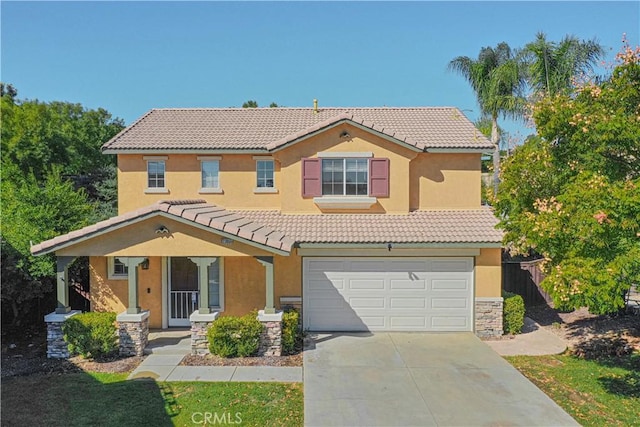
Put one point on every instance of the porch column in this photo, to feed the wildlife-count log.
(62, 288)
(271, 336)
(203, 264)
(267, 262)
(132, 265)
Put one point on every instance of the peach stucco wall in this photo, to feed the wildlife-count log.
(113, 295)
(417, 180)
(488, 273)
(244, 286)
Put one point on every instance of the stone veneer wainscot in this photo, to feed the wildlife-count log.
(489, 317)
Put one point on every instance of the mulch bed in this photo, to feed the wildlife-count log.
(212, 360)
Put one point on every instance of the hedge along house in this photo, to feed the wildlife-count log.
(367, 219)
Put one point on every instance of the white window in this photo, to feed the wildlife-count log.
(216, 291)
(116, 269)
(156, 174)
(210, 174)
(265, 174)
(345, 177)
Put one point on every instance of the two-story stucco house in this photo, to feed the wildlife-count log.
(367, 218)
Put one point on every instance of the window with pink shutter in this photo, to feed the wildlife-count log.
(311, 177)
(379, 177)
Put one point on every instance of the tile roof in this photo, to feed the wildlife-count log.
(197, 211)
(434, 226)
(265, 129)
(274, 230)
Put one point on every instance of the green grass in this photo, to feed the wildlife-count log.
(594, 393)
(81, 399)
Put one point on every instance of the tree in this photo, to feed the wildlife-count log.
(7, 90)
(38, 210)
(552, 66)
(573, 193)
(250, 104)
(497, 78)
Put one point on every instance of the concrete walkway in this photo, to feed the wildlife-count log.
(418, 379)
(533, 341)
(166, 350)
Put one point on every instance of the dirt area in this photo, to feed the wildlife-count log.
(24, 352)
(586, 333)
(211, 360)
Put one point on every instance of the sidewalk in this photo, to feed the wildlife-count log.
(533, 341)
(167, 349)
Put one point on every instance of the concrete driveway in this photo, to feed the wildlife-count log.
(418, 379)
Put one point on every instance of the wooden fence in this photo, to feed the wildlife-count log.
(523, 278)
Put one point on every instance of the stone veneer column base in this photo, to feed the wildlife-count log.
(133, 330)
(200, 324)
(489, 317)
(271, 336)
(57, 347)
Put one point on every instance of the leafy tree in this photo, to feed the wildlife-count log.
(39, 136)
(34, 211)
(552, 66)
(273, 105)
(250, 104)
(573, 194)
(7, 90)
(497, 78)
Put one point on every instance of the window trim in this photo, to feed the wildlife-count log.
(344, 177)
(111, 274)
(267, 190)
(210, 190)
(157, 159)
(219, 308)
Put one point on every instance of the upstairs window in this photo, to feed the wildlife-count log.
(210, 174)
(156, 174)
(345, 177)
(264, 170)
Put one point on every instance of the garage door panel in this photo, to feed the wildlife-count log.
(392, 294)
(357, 303)
(407, 284)
(448, 303)
(407, 322)
(412, 302)
(450, 284)
(449, 323)
(367, 284)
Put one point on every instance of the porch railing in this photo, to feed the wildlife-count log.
(183, 303)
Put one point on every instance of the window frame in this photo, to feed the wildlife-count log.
(263, 189)
(220, 307)
(344, 173)
(111, 270)
(207, 159)
(159, 160)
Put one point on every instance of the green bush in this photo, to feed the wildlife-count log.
(91, 334)
(231, 336)
(513, 314)
(291, 333)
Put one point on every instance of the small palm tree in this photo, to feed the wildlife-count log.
(551, 65)
(498, 80)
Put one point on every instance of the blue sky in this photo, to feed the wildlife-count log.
(129, 57)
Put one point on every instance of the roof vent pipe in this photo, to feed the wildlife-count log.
(315, 106)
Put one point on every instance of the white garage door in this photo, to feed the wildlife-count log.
(388, 294)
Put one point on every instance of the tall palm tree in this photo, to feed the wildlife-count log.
(551, 65)
(498, 80)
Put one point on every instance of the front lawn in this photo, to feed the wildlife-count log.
(593, 392)
(80, 399)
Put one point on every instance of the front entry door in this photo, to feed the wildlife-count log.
(183, 290)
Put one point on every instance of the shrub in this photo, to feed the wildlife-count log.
(291, 333)
(231, 336)
(513, 314)
(91, 334)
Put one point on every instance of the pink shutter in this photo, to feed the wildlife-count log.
(311, 177)
(379, 177)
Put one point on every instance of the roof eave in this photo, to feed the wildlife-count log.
(385, 245)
